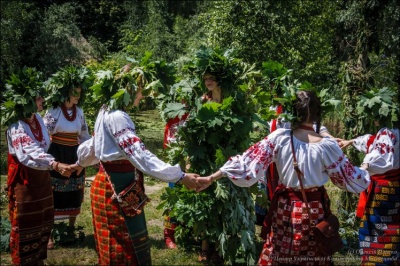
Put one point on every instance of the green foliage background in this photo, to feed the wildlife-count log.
(346, 49)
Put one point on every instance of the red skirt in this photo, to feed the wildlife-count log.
(31, 213)
(291, 241)
(120, 240)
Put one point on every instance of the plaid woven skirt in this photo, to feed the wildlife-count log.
(120, 240)
(379, 233)
(291, 241)
(31, 214)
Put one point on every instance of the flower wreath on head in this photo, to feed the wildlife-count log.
(22, 88)
(60, 85)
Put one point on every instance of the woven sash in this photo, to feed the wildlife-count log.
(68, 139)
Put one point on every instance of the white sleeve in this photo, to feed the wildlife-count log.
(86, 154)
(381, 152)
(28, 151)
(84, 130)
(246, 169)
(360, 143)
(341, 172)
(50, 121)
(122, 129)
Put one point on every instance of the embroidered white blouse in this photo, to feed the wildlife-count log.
(318, 161)
(56, 122)
(382, 149)
(115, 139)
(29, 151)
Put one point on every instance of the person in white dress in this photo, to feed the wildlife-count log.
(123, 240)
(320, 159)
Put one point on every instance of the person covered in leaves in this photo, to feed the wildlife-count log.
(31, 209)
(378, 206)
(288, 231)
(122, 239)
(66, 124)
(214, 94)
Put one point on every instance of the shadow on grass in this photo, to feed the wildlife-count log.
(86, 242)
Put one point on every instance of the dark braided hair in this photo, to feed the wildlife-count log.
(307, 108)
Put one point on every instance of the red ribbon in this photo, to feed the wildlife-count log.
(279, 110)
(169, 124)
(273, 176)
(362, 201)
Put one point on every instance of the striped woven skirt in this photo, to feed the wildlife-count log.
(120, 240)
(68, 192)
(379, 233)
(290, 241)
(31, 214)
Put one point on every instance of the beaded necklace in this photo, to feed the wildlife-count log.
(66, 114)
(35, 127)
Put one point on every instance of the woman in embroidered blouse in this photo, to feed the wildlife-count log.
(378, 206)
(31, 210)
(67, 127)
(122, 240)
(270, 182)
(320, 159)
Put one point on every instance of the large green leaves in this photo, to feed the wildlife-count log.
(22, 88)
(379, 105)
(117, 88)
(212, 133)
(61, 84)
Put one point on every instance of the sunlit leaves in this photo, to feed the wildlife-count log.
(378, 105)
(22, 88)
(60, 85)
(117, 88)
(213, 132)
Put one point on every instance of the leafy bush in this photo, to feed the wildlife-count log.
(5, 234)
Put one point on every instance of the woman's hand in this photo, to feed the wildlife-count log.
(64, 169)
(76, 167)
(190, 181)
(205, 182)
(345, 143)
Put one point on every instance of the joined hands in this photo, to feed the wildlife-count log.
(67, 169)
(200, 183)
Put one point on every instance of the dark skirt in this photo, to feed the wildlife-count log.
(120, 240)
(68, 192)
(31, 214)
